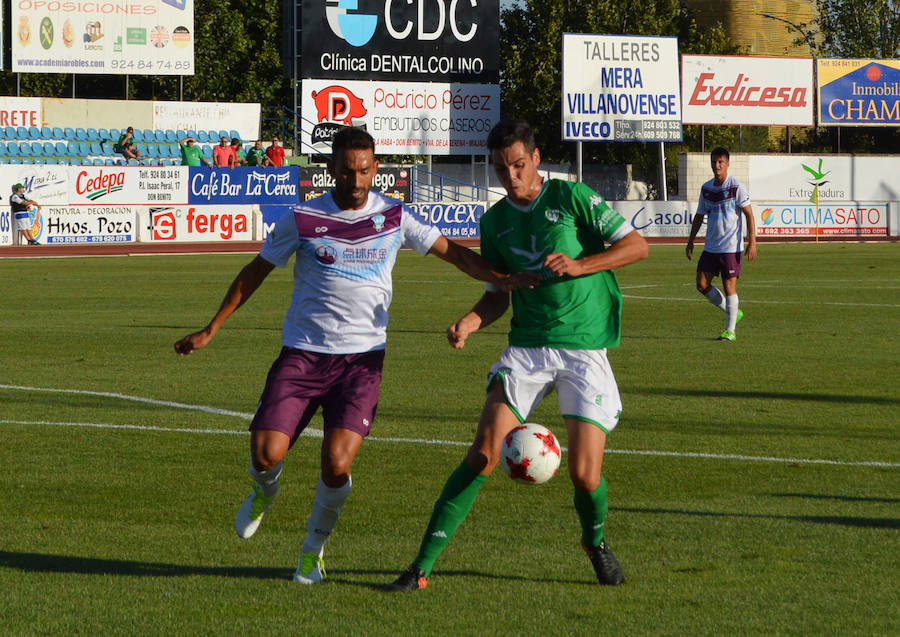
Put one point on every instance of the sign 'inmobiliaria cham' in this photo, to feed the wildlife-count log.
(753, 91)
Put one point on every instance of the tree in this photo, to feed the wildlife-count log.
(530, 83)
(856, 29)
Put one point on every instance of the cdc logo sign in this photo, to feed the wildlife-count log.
(403, 40)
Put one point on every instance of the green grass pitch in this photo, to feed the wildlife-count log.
(754, 486)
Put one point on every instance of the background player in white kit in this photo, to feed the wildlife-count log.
(334, 333)
(722, 200)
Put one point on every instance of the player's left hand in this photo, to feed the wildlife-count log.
(560, 264)
(193, 341)
(750, 252)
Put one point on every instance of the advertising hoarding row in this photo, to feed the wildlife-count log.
(144, 37)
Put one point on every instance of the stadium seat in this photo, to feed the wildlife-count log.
(84, 148)
(107, 149)
(102, 134)
(207, 151)
(72, 149)
(62, 161)
(2, 149)
(114, 134)
(24, 149)
(37, 149)
(27, 160)
(61, 150)
(181, 134)
(144, 162)
(109, 162)
(81, 134)
(46, 132)
(69, 134)
(213, 137)
(152, 150)
(10, 132)
(58, 133)
(12, 148)
(234, 134)
(159, 136)
(49, 149)
(4, 160)
(93, 135)
(202, 137)
(95, 148)
(22, 133)
(133, 162)
(223, 133)
(15, 160)
(34, 133)
(137, 136)
(149, 135)
(2, 133)
(38, 160)
(171, 137)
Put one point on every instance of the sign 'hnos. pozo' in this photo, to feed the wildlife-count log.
(757, 91)
(402, 40)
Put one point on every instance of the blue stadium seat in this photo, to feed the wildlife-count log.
(15, 160)
(34, 133)
(107, 148)
(109, 162)
(69, 134)
(202, 137)
(133, 162)
(4, 160)
(37, 149)
(159, 136)
(38, 160)
(171, 137)
(72, 149)
(144, 162)
(93, 135)
(27, 160)
(2, 133)
(207, 151)
(46, 132)
(61, 150)
(22, 133)
(12, 148)
(149, 135)
(151, 150)
(2, 149)
(181, 134)
(10, 132)
(80, 134)
(58, 133)
(84, 148)
(114, 134)
(62, 161)
(165, 150)
(24, 149)
(96, 149)
(224, 133)
(234, 134)
(136, 136)
(213, 137)
(49, 149)
(102, 134)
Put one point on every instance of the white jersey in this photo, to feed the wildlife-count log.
(342, 274)
(722, 206)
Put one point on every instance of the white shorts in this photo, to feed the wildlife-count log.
(24, 220)
(583, 379)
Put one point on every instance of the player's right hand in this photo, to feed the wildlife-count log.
(689, 250)
(189, 343)
(457, 335)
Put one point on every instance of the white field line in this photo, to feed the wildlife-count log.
(311, 432)
(698, 298)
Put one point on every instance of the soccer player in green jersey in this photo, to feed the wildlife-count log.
(559, 334)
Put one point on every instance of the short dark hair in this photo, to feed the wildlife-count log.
(351, 137)
(507, 132)
(720, 151)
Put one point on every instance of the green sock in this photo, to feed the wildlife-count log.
(450, 510)
(591, 508)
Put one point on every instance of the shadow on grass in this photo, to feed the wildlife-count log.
(39, 562)
(843, 520)
(768, 395)
(842, 498)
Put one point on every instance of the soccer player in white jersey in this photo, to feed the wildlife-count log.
(722, 200)
(560, 330)
(334, 332)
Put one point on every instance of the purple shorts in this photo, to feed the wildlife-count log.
(345, 385)
(728, 264)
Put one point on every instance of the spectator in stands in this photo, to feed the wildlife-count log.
(125, 146)
(222, 153)
(237, 158)
(191, 153)
(21, 207)
(256, 156)
(275, 152)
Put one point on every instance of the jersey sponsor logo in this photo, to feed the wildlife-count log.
(552, 214)
(378, 222)
(533, 259)
(326, 255)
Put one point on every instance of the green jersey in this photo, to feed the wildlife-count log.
(190, 155)
(255, 156)
(573, 313)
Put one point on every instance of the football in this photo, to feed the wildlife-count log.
(530, 454)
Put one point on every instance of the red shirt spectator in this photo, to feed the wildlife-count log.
(275, 152)
(222, 154)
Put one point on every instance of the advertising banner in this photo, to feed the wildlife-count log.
(6, 229)
(858, 92)
(244, 185)
(404, 118)
(659, 218)
(620, 88)
(177, 224)
(144, 37)
(89, 224)
(392, 181)
(20, 111)
(243, 118)
(811, 178)
(456, 220)
(751, 91)
(839, 219)
(407, 40)
(271, 214)
(127, 185)
(44, 183)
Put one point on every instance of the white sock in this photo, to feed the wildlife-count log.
(267, 480)
(325, 513)
(715, 297)
(731, 305)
